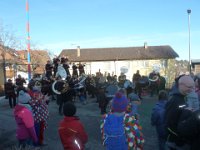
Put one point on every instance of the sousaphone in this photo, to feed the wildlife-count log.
(156, 69)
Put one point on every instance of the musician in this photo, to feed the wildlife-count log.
(74, 70)
(162, 82)
(90, 86)
(10, 92)
(154, 82)
(81, 69)
(65, 96)
(56, 62)
(136, 78)
(121, 80)
(48, 69)
(46, 86)
(64, 62)
(19, 81)
(109, 77)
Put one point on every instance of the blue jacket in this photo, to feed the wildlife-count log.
(157, 117)
(115, 138)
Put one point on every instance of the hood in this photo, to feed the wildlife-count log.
(161, 103)
(71, 118)
(174, 90)
(18, 109)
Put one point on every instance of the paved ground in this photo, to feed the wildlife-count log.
(89, 115)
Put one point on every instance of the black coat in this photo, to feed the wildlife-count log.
(189, 128)
(173, 113)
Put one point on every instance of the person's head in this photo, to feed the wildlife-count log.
(69, 109)
(138, 72)
(186, 84)
(9, 80)
(119, 103)
(19, 76)
(23, 97)
(162, 95)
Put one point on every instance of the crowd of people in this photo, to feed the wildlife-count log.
(175, 115)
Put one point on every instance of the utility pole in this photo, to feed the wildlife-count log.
(189, 12)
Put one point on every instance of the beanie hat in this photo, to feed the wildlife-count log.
(69, 109)
(119, 103)
(23, 97)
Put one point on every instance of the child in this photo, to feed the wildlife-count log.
(25, 132)
(120, 131)
(157, 118)
(71, 130)
(40, 111)
(134, 102)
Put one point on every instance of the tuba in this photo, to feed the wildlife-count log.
(124, 69)
(60, 86)
(154, 76)
(61, 72)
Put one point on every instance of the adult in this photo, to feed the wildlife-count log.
(81, 69)
(48, 69)
(19, 81)
(136, 78)
(173, 110)
(10, 93)
(154, 82)
(74, 70)
(64, 62)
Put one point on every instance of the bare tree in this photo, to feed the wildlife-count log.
(8, 43)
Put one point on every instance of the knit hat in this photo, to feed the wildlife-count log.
(119, 103)
(69, 109)
(23, 97)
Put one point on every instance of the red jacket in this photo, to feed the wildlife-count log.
(72, 134)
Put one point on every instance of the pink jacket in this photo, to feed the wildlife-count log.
(25, 123)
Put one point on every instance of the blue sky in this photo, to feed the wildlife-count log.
(61, 24)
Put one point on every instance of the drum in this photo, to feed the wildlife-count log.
(111, 90)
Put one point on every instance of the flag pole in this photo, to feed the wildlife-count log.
(28, 40)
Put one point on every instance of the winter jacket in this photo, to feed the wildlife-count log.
(25, 123)
(157, 118)
(189, 128)
(173, 112)
(72, 133)
(115, 137)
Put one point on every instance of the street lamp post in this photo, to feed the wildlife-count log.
(189, 12)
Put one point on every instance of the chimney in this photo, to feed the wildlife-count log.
(78, 51)
(145, 45)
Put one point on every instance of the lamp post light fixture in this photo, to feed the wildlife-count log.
(189, 12)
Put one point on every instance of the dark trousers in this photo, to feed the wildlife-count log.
(39, 128)
(12, 101)
(161, 143)
(138, 90)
